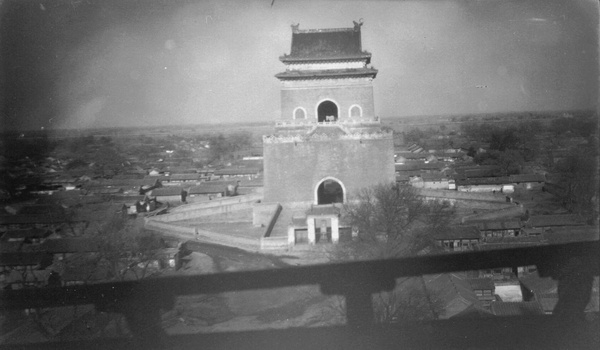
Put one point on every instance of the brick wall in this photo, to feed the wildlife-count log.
(343, 95)
(292, 171)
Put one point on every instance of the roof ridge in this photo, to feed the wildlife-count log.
(322, 30)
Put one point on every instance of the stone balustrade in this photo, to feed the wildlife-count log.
(354, 121)
(325, 137)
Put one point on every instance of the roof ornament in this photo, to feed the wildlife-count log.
(295, 27)
(358, 24)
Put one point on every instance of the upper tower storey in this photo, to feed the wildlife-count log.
(327, 78)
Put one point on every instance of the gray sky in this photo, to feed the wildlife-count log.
(136, 63)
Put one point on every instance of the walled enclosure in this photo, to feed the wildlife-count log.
(293, 170)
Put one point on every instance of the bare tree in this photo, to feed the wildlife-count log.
(409, 301)
(392, 221)
(579, 181)
(126, 250)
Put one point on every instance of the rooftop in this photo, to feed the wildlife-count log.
(167, 191)
(555, 220)
(326, 44)
(523, 308)
(481, 283)
(454, 290)
(459, 232)
(208, 187)
(369, 72)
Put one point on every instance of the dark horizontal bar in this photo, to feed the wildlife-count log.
(524, 332)
(333, 278)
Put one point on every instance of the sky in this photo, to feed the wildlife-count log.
(108, 63)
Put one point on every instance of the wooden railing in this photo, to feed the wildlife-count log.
(574, 265)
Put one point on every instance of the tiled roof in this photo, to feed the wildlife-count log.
(436, 176)
(521, 308)
(257, 182)
(516, 240)
(454, 291)
(493, 243)
(305, 74)
(166, 191)
(419, 166)
(527, 178)
(558, 235)
(483, 181)
(146, 181)
(207, 187)
(411, 155)
(184, 177)
(126, 199)
(481, 283)
(234, 183)
(498, 225)
(555, 220)
(459, 232)
(237, 171)
(316, 44)
(539, 285)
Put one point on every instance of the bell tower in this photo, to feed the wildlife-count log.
(328, 142)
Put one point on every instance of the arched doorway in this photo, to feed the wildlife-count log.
(330, 191)
(299, 113)
(355, 111)
(327, 111)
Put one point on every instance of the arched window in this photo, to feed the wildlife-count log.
(299, 113)
(329, 190)
(327, 111)
(355, 111)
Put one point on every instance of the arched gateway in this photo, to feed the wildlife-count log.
(327, 111)
(329, 191)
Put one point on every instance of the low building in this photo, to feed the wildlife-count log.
(419, 167)
(546, 222)
(485, 184)
(179, 179)
(484, 289)
(436, 180)
(528, 181)
(454, 292)
(249, 173)
(169, 194)
(207, 190)
(458, 238)
(490, 229)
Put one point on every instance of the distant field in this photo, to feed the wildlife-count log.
(257, 129)
(453, 122)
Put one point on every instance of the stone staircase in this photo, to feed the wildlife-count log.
(281, 226)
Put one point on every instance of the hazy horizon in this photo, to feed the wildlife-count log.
(102, 64)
